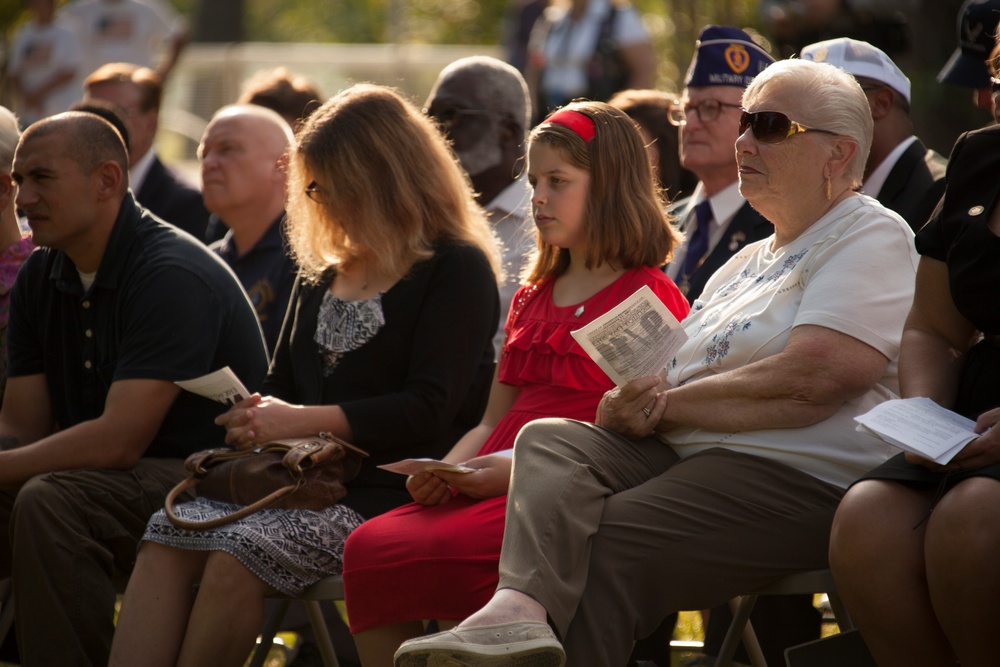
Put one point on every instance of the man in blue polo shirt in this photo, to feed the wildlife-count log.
(243, 154)
(112, 309)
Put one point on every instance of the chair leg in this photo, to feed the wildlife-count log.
(752, 646)
(6, 608)
(740, 627)
(271, 625)
(321, 633)
(844, 621)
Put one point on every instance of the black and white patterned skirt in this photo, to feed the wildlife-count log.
(287, 549)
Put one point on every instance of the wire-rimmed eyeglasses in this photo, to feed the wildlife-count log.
(708, 111)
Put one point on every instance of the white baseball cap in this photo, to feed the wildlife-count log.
(860, 59)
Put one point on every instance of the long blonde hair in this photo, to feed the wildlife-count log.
(627, 225)
(387, 185)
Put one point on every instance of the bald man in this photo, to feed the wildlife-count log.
(111, 310)
(243, 154)
(482, 106)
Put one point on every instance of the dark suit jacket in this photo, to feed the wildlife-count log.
(747, 226)
(915, 184)
(169, 197)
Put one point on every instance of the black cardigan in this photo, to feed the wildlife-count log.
(418, 385)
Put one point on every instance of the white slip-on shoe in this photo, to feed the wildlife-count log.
(517, 644)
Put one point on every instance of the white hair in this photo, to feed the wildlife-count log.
(10, 132)
(836, 103)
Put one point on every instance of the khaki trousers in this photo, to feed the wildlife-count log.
(612, 535)
(71, 533)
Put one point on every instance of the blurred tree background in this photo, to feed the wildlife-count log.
(919, 34)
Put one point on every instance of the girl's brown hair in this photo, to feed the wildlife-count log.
(627, 225)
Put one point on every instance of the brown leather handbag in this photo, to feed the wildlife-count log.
(298, 473)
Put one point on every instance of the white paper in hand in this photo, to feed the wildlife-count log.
(221, 385)
(414, 466)
(634, 339)
(919, 426)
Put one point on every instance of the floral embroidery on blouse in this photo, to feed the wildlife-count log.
(344, 326)
(736, 283)
(786, 266)
(720, 342)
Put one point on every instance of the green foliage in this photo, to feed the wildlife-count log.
(343, 21)
(12, 14)
(446, 21)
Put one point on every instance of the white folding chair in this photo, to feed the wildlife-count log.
(811, 581)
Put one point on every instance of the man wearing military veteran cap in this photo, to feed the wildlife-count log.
(902, 173)
(977, 27)
(716, 219)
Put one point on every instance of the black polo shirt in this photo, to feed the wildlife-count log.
(267, 273)
(162, 307)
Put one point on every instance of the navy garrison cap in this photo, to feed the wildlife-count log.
(725, 56)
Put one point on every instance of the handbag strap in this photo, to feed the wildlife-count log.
(300, 453)
(242, 512)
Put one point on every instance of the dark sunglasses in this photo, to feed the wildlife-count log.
(773, 127)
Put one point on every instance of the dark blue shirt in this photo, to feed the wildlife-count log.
(267, 273)
(162, 307)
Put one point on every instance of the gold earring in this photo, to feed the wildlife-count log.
(829, 188)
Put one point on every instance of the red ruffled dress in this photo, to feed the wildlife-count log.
(440, 562)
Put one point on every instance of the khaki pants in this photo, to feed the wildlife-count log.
(612, 535)
(70, 534)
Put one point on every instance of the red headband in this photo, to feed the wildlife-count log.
(581, 124)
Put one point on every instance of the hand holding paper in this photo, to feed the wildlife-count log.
(636, 338)
(920, 426)
(221, 385)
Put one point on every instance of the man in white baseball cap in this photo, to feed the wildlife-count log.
(902, 173)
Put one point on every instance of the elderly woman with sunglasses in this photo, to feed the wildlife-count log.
(724, 475)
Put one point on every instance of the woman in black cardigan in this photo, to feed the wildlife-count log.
(386, 344)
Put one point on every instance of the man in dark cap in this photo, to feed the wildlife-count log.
(977, 27)
(716, 220)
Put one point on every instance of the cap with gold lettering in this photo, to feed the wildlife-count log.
(726, 56)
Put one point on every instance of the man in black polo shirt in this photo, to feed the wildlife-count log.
(110, 311)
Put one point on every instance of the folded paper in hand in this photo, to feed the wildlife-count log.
(919, 426)
(634, 339)
(221, 385)
(414, 466)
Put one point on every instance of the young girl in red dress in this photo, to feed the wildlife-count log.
(602, 234)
